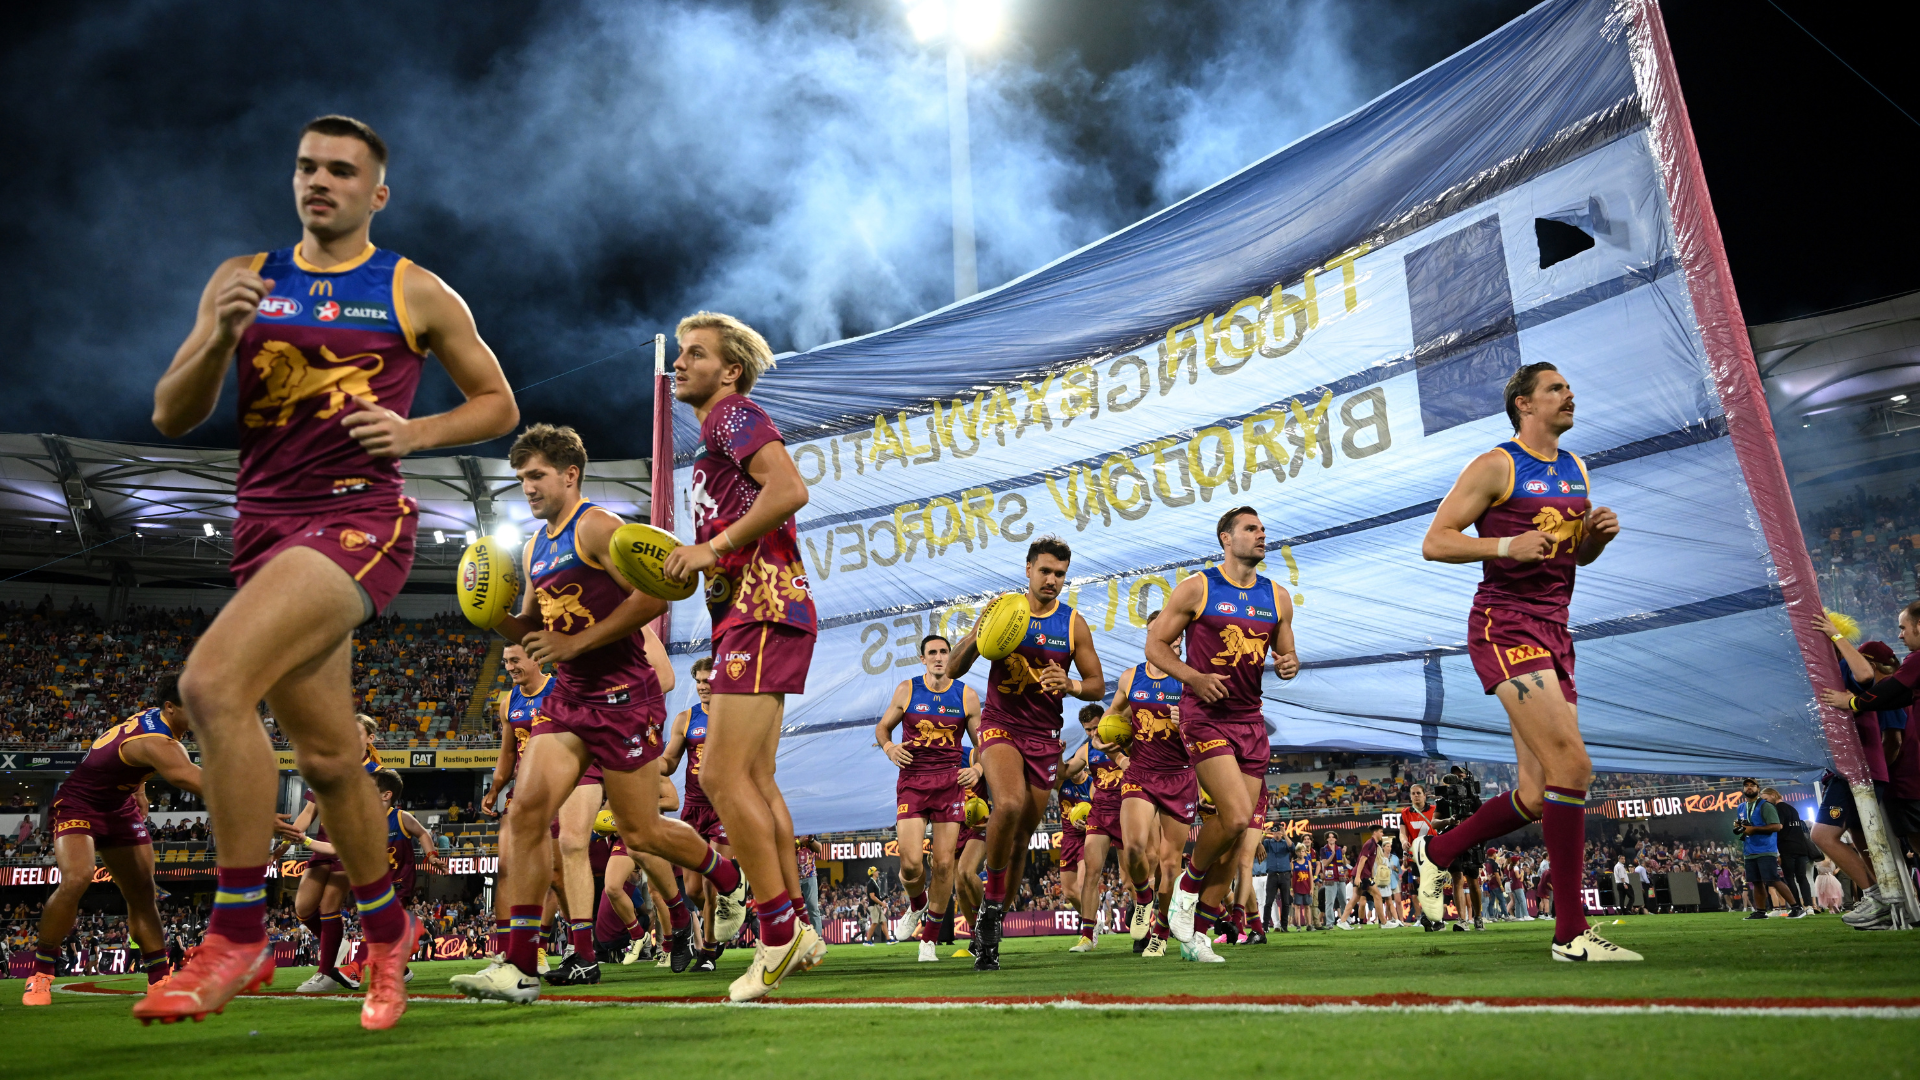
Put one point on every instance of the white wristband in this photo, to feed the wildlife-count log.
(1506, 544)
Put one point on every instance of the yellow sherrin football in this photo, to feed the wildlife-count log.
(603, 822)
(1002, 626)
(1115, 729)
(488, 582)
(638, 551)
(977, 811)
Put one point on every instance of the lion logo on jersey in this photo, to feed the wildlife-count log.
(1239, 644)
(1020, 675)
(928, 733)
(1150, 725)
(1561, 530)
(563, 606)
(290, 378)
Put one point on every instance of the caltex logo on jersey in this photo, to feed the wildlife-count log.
(1565, 487)
(1536, 487)
(327, 312)
(279, 307)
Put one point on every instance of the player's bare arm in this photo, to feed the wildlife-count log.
(1118, 706)
(1183, 606)
(166, 757)
(676, 742)
(1075, 767)
(503, 766)
(1481, 484)
(964, 652)
(669, 796)
(969, 775)
(782, 494)
(657, 659)
(1286, 662)
(1092, 684)
(411, 826)
(595, 532)
(1601, 527)
(443, 326)
(883, 730)
(187, 393)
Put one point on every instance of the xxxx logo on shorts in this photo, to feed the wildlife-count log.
(1205, 745)
(1520, 654)
(903, 809)
(993, 733)
(1129, 789)
(71, 823)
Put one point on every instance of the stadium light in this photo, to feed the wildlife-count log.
(507, 533)
(207, 527)
(962, 24)
(1899, 397)
(976, 22)
(439, 537)
(927, 19)
(472, 536)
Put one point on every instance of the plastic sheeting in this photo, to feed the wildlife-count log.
(1325, 336)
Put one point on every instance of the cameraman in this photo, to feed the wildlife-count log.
(1459, 797)
(1757, 824)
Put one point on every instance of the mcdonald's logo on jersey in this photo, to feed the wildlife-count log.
(322, 287)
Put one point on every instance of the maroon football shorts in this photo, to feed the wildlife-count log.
(1073, 845)
(967, 835)
(933, 795)
(702, 818)
(1172, 792)
(1504, 643)
(761, 658)
(619, 738)
(1039, 753)
(121, 826)
(374, 546)
(1244, 738)
(589, 778)
(1105, 820)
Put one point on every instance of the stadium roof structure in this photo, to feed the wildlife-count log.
(128, 513)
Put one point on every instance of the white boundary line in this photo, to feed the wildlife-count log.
(1843, 1012)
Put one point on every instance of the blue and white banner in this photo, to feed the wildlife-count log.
(1323, 336)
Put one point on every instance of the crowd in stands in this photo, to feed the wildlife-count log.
(1866, 551)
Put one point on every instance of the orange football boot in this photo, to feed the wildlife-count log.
(39, 990)
(217, 971)
(384, 980)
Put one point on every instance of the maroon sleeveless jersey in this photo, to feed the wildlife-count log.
(1015, 699)
(762, 581)
(1548, 494)
(573, 594)
(696, 752)
(322, 338)
(104, 780)
(1154, 707)
(1232, 636)
(933, 725)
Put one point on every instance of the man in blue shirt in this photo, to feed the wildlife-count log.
(1279, 878)
(1758, 826)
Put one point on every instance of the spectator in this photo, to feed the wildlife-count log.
(1757, 824)
(809, 851)
(1279, 879)
(1796, 853)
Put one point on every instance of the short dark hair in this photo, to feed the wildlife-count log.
(1521, 385)
(346, 127)
(705, 663)
(561, 446)
(1227, 519)
(1049, 544)
(166, 689)
(389, 781)
(1912, 613)
(1091, 714)
(933, 637)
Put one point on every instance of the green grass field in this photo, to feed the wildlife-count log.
(1689, 957)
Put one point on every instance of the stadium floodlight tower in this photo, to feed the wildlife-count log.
(961, 24)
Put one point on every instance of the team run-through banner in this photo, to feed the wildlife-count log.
(1325, 336)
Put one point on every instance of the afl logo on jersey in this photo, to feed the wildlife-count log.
(327, 312)
(279, 307)
(1536, 487)
(1139, 695)
(1224, 608)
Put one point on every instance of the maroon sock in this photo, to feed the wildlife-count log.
(332, 926)
(996, 890)
(1563, 821)
(1191, 881)
(156, 965)
(677, 913)
(312, 923)
(1143, 896)
(930, 926)
(776, 921)
(523, 938)
(1496, 817)
(501, 928)
(582, 935)
(1205, 918)
(918, 903)
(722, 871)
(1255, 924)
(382, 918)
(240, 904)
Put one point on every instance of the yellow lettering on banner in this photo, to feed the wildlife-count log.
(1082, 397)
(1113, 602)
(906, 443)
(1310, 425)
(1181, 344)
(978, 503)
(1158, 448)
(996, 415)
(1222, 472)
(969, 423)
(955, 530)
(1260, 449)
(1036, 410)
(1345, 263)
(1072, 507)
(886, 442)
(855, 548)
(906, 526)
(1281, 305)
(1135, 505)
(1138, 593)
(1114, 402)
(1252, 335)
(819, 458)
(892, 527)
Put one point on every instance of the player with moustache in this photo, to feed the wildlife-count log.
(1020, 726)
(102, 806)
(930, 788)
(330, 337)
(605, 708)
(1529, 503)
(1233, 619)
(745, 492)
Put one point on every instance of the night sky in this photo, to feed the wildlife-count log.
(585, 173)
